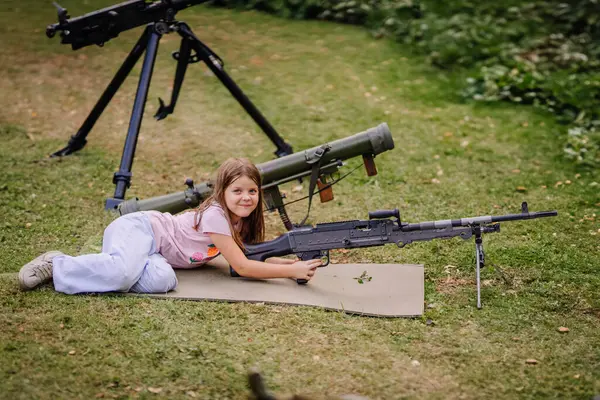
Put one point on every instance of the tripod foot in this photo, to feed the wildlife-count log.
(73, 146)
(163, 111)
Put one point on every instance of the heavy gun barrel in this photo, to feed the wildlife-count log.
(367, 144)
(98, 27)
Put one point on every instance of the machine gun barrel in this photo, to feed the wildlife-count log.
(450, 223)
(98, 27)
(368, 144)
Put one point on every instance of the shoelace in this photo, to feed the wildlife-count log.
(43, 271)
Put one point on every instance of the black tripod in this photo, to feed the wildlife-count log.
(148, 42)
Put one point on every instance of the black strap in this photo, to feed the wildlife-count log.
(314, 175)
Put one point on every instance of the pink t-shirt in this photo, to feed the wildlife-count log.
(182, 245)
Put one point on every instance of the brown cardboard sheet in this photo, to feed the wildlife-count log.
(394, 290)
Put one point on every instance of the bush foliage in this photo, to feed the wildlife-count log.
(543, 53)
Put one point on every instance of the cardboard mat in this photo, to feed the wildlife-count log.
(394, 290)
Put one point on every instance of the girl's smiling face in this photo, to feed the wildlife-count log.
(241, 198)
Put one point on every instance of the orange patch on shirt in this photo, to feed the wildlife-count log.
(212, 251)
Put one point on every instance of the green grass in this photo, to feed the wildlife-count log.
(310, 80)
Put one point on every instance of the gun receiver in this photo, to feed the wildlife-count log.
(383, 227)
(98, 27)
(325, 160)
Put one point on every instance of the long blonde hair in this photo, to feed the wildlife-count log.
(253, 226)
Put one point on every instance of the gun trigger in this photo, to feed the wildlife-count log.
(325, 255)
(524, 208)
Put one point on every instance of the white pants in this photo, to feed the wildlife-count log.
(128, 262)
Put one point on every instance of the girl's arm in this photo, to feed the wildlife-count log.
(258, 269)
(280, 260)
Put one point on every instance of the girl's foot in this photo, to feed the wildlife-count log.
(38, 271)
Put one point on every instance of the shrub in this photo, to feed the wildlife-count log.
(543, 53)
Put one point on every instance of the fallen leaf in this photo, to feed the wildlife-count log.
(516, 171)
(99, 395)
(297, 188)
(154, 390)
(563, 329)
(28, 225)
(316, 358)
(415, 363)
(72, 352)
(435, 180)
(521, 189)
(531, 361)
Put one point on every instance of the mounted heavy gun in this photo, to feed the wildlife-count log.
(383, 227)
(158, 16)
(318, 163)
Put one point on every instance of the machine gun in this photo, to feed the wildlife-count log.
(100, 26)
(383, 227)
(320, 163)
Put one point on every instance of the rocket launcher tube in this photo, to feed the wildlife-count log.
(370, 142)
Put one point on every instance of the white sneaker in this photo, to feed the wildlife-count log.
(38, 271)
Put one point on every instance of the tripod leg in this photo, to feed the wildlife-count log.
(478, 255)
(79, 139)
(122, 178)
(183, 59)
(216, 66)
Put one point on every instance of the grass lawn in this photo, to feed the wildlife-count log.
(315, 82)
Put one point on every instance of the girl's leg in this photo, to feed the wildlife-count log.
(158, 276)
(126, 245)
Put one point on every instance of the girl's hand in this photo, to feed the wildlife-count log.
(305, 269)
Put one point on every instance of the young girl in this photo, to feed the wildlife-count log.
(140, 250)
